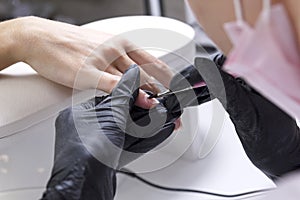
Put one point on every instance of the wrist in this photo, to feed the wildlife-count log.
(9, 44)
(23, 38)
(19, 36)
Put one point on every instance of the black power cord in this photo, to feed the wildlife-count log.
(134, 175)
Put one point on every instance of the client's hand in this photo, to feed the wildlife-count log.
(75, 56)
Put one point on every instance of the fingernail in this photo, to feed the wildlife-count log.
(178, 124)
(153, 101)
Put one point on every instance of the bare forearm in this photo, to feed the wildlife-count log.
(75, 56)
(8, 43)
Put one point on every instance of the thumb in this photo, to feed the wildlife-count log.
(188, 77)
(128, 86)
(218, 82)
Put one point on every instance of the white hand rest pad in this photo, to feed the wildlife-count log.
(24, 93)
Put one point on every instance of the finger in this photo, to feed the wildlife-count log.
(128, 86)
(176, 102)
(123, 63)
(143, 101)
(146, 144)
(91, 78)
(186, 78)
(103, 59)
(218, 82)
(151, 65)
(107, 82)
(147, 82)
(178, 124)
(114, 71)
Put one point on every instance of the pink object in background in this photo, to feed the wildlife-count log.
(267, 57)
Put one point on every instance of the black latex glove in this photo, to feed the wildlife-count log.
(146, 130)
(270, 137)
(164, 114)
(188, 77)
(89, 141)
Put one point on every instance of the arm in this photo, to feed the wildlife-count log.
(75, 56)
(8, 44)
